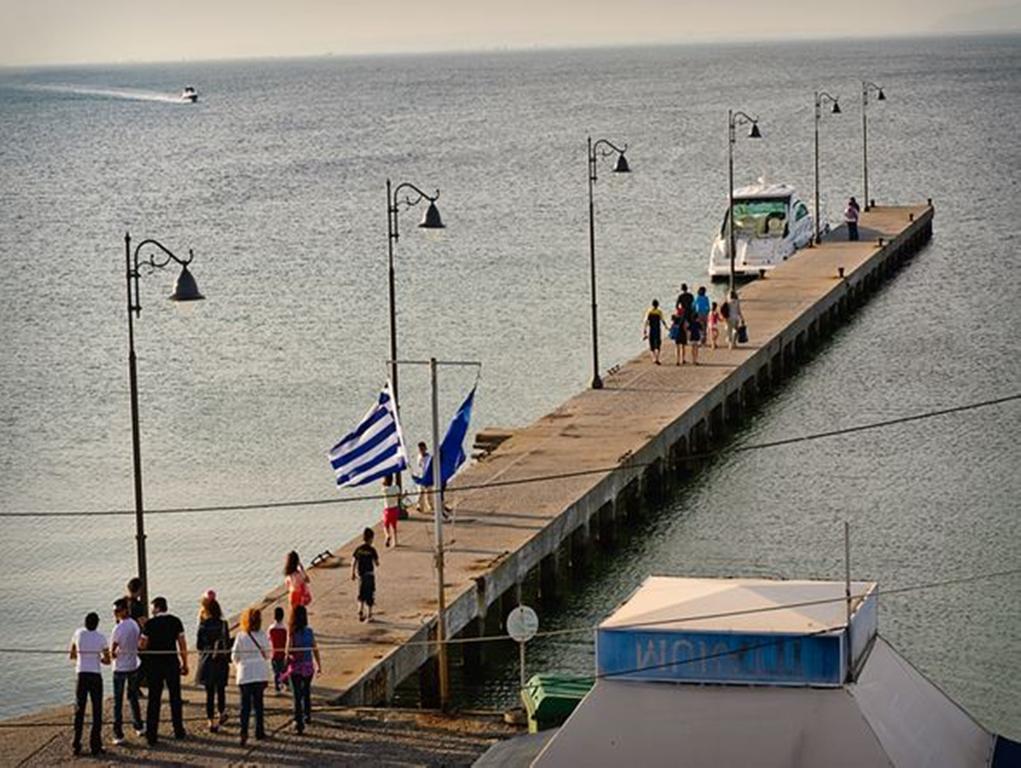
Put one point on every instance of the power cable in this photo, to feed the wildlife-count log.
(534, 479)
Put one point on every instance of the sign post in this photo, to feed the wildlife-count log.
(522, 624)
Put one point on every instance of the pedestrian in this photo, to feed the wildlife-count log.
(734, 318)
(391, 509)
(296, 580)
(702, 305)
(302, 650)
(678, 334)
(251, 655)
(425, 494)
(714, 323)
(851, 215)
(364, 561)
(854, 203)
(165, 649)
(694, 335)
(651, 330)
(278, 639)
(88, 651)
(213, 644)
(135, 603)
(124, 649)
(685, 300)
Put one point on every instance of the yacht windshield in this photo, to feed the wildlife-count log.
(761, 217)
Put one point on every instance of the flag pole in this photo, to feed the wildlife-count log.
(441, 600)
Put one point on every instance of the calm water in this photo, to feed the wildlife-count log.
(275, 179)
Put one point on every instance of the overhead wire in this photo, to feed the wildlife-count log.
(625, 464)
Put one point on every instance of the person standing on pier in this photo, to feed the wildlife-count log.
(701, 305)
(124, 649)
(425, 500)
(165, 648)
(302, 650)
(364, 562)
(654, 322)
(135, 604)
(213, 644)
(695, 335)
(296, 580)
(714, 323)
(685, 300)
(250, 655)
(851, 216)
(678, 334)
(731, 312)
(278, 639)
(391, 510)
(88, 651)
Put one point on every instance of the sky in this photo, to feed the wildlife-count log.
(42, 32)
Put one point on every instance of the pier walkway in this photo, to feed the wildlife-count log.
(614, 448)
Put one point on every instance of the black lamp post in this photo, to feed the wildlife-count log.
(866, 88)
(597, 149)
(186, 289)
(430, 220)
(734, 119)
(821, 98)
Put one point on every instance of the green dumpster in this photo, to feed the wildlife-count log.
(550, 699)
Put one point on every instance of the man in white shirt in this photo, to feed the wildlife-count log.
(124, 649)
(88, 651)
(425, 501)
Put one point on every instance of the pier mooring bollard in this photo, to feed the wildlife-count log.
(762, 274)
(872, 203)
(840, 272)
(881, 242)
(911, 215)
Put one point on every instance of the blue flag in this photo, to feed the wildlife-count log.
(452, 448)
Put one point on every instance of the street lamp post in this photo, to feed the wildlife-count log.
(186, 289)
(597, 149)
(821, 98)
(734, 119)
(867, 87)
(430, 220)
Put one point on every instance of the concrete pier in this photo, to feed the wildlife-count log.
(640, 429)
(614, 451)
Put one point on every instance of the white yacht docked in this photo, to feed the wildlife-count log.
(771, 223)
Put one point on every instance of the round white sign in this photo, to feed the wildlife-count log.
(522, 624)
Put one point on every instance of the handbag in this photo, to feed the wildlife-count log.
(742, 334)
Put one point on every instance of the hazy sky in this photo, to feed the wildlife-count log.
(66, 31)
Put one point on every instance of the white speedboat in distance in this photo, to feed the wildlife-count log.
(771, 223)
(189, 94)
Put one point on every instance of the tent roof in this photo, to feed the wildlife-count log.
(892, 716)
(662, 600)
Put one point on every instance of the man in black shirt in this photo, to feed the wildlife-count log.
(165, 649)
(685, 300)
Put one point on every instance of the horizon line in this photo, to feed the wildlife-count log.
(522, 48)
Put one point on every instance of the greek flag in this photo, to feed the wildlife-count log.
(374, 448)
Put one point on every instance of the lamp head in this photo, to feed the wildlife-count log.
(431, 218)
(621, 166)
(881, 96)
(186, 288)
(836, 107)
(754, 133)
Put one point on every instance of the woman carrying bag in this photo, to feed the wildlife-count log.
(251, 655)
(296, 581)
(213, 644)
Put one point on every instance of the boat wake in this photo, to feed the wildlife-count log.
(109, 93)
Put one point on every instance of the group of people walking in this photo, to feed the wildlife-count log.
(150, 651)
(695, 322)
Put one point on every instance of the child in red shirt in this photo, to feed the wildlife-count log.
(278, 639)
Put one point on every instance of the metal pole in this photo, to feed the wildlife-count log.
(597, 382)
(818, 104)
(731, 137)
(847, 594)
(136, 441)
(391, 235)
(437, 478)
(865, 142)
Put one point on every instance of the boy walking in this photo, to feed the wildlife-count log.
(364, 562)
(89, 650)
(124, 649)
(278, 639)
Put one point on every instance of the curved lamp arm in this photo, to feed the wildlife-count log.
(152, 263)
(408, 200)
(868, 85)
(611, 148)
(822, 97)
(741, 118)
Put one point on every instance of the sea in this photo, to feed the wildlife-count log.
(275, 182)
